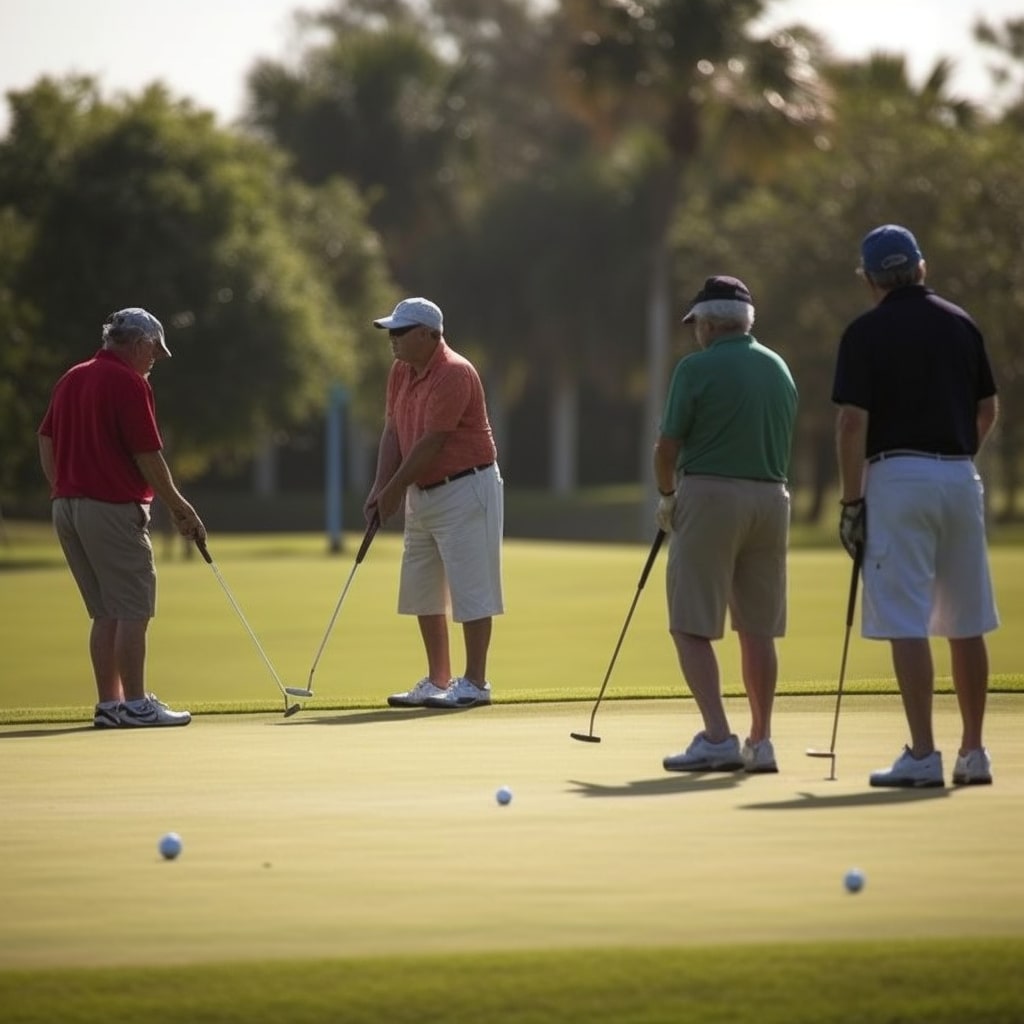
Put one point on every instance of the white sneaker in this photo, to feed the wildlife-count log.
(461, 693)
(150, 712)
(704, 756)
(973, 768)
(911, 772)
(416, 697)
(106, 716)
(758, 758)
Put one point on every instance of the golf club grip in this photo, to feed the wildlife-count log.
(659, 537)
(201, 544)
(851, 604)
(371, 531)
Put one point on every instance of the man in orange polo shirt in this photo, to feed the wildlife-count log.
(437, 455)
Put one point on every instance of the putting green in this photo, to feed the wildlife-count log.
(342, 834)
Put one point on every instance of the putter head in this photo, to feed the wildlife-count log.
(830, 754)
(288, 712)
(585, 737)
(297, 691)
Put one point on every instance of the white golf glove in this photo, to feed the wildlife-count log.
(666, 510)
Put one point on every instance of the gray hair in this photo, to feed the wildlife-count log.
(725, 313)
(898, 277)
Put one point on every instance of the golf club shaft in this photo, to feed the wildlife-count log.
(201, 544)
(368, 536)
(655, 548)
(851, 604)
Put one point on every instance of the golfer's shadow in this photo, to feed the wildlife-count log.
(691, 782)
(378, 716)
(23, 733)
(868, 798)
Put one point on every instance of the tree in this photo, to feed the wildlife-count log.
(150, 204)
(668, 84)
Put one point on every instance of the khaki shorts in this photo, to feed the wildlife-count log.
(108, 551)
(728, 550)
(452, 555)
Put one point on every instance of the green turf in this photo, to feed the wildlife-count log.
(837, 983)
(339, 861)
(566, 606)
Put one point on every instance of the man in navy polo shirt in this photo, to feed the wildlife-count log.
(916, 401)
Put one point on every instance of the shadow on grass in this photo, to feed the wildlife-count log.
(377, 717)
(17, 734)
(691, 782)
(869, 798)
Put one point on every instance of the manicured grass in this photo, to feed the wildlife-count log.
(566, 606)
(354, 866)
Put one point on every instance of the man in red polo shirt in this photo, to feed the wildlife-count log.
(100, 449)
(437, 455)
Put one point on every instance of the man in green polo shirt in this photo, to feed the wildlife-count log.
(721, 463)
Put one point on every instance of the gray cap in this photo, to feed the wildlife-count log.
(410, 312)
(134, 321)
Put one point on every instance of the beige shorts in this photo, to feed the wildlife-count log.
(108, 551)
(728, 551)
(452, 555)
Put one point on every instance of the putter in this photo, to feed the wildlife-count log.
(371, 530)
(851, 604)
(289, 709)
(589, 737)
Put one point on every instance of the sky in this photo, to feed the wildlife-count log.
(202, 49)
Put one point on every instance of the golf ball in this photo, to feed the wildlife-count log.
(503, 796)
(170, 845)
(854, 880)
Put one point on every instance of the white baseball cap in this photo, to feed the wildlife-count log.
(410, 312)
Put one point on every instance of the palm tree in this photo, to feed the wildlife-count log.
(669, 84)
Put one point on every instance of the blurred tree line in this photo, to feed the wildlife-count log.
(559, 178)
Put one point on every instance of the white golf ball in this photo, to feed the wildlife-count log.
(170, 845)
(503, 796)
(854, 880)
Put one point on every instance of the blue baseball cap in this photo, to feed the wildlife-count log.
(889, 247)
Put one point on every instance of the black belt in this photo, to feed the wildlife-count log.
(456, 476)
(905, 453)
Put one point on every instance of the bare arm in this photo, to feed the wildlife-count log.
(851, 445)
(666, 452)
(988, 413)
(158, 475)
(389, 496)
(47, 459)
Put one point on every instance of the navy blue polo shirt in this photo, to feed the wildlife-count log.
(917, 364)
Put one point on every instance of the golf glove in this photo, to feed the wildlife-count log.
(853, 525)
(666, 511)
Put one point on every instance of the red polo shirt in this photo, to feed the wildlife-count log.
(101, 413)
(448, 397)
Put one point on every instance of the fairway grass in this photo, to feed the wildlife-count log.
(566, 608)
(355, 866)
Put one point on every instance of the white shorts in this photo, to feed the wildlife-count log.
(452, 556)
(925, 562)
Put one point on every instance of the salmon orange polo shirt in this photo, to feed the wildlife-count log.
(447, 397)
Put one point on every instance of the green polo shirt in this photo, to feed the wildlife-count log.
(732, 406)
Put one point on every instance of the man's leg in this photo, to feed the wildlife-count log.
(103, 654)
(477, 635)
(130, 653)
(434, 630)
(700, 669)
(760, 666)
(969, 657)
(912, 661)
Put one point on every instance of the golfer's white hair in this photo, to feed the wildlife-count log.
(730, 311)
